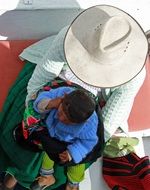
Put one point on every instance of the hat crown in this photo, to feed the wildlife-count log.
(110, 41)
(107, 37)
(114, 33)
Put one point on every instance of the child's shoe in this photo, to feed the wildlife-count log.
(72, 187)
(42, 182)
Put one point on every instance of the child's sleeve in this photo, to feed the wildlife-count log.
(85, 141)
(43, 98)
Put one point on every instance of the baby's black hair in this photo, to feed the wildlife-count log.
(78, 106)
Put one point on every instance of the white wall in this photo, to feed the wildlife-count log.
(34, 24)
(34, 19)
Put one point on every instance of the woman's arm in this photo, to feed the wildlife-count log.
(119, 105)
(50, 67)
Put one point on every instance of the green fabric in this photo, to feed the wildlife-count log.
(47, 163)
(120, 146)
(76, 173)
(23, 164)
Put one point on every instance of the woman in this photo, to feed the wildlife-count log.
(105, 49)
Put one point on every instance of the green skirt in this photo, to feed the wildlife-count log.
(21, 163)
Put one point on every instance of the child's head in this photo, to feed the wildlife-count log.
(77, 106)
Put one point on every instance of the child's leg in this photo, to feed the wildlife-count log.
(46, 177)
(47, 166)
(75, 175)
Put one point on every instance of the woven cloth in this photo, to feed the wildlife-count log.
(127, 172)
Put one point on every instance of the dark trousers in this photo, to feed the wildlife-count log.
(51, 146)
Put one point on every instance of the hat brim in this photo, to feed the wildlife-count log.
(121, 70)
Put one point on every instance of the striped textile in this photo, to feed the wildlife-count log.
(127, 173)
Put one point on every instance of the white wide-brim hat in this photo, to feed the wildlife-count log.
(105, 47)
